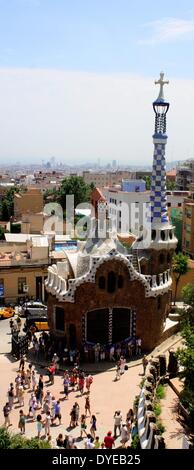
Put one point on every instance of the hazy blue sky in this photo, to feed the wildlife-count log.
(76, 78)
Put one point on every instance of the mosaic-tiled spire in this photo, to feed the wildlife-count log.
(158, 182)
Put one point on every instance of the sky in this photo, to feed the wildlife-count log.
(77, 79)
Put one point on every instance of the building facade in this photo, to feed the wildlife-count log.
(24, 262)
(188, 228)
(104, 294)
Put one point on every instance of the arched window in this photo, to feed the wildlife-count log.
(161, 258)
(153, 234)
(101, 282)
(162, 235)
(111, 282)
(120, 281)
(158, 279)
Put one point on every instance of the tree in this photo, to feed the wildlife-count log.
(187, 315)
(7, 205)
(170, 185)
(147, 180)
(186, 357)
(179, 267)
(2, 231)
(5, 211)
(74, 185)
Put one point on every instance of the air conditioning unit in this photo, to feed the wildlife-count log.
(25, 288)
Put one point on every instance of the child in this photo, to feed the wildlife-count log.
(87, 406)
(39, 425)
(83, 426)
(22, 420)
(97, 443)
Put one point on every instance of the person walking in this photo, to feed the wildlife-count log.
(124, 434)
(144, 363)
(47, 423)
(39, 425)
(87, 405)
(83, 426)
(117, 423)
(22, 422)
(11, 395)
(58, 411)
(109, 440)
(93, 426)
(6, 412)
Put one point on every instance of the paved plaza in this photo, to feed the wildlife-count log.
(106, 396)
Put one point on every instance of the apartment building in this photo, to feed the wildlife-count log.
(109, 178)
(185, 176)
(30, 201)
(188, 228)
(24, 261)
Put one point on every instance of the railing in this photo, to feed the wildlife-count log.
(19, 346)
(146, 419)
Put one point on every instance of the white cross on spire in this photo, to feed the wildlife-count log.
(161, 82)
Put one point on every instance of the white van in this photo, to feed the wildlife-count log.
(32, 307)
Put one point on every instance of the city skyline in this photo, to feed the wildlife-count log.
(77, 81)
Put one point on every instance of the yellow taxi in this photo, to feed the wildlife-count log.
(36, 322)
(6, 312)
(41, 326)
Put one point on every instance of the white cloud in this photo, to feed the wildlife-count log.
(79, 116)
(168, 29)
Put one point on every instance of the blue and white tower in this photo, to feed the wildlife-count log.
(162, 230)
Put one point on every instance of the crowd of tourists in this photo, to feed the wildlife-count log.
(29, 390)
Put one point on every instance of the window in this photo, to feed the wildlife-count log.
(153, 234)
(111, 282)
(169, 204)
(161, 258)
(102, 282)
(162, 235)
(59, 319)
(1, 288)
(179, 204)
(21, 285)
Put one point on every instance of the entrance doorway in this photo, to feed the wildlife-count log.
(109, 325)
(39, 288)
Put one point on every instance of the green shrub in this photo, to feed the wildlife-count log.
(157, 409)
(17, 441)
(4, 438)
(187, 398)
(34, 443)
(161, 427)
(136, 402)
(142, 383)
(160, 391)
(135, 443)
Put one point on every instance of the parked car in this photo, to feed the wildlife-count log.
(40, 322)
(6, 312)
(31, 307)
